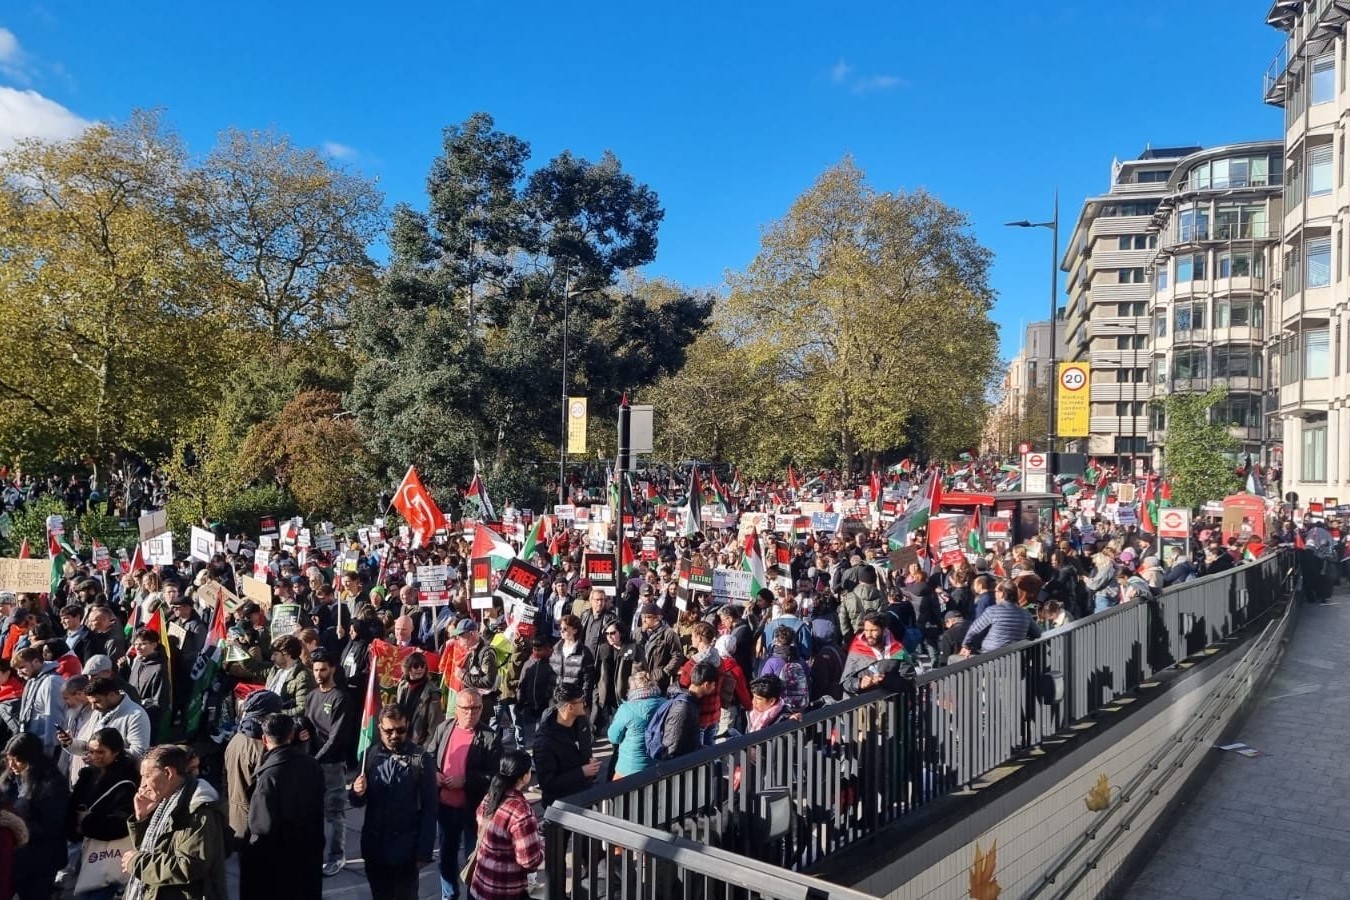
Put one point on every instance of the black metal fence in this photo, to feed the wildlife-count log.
(791, 795)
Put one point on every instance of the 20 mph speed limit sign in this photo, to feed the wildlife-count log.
(1072, 402)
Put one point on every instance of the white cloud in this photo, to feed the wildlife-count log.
(845, 75)
(870, 83)
(28, 114)
(338, 151)
(12, 62)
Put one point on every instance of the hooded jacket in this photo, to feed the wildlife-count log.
(187, 862)
(559, 754)
(661, 648)
(283, 850)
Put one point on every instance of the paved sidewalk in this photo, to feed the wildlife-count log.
(1275, 826)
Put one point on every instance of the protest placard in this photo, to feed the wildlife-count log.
(257, 590)
(152, 524)
(26, 576)
(480, 582)
(598, 568)
(102, 558)
(202, 544)
(158, 551)
(433, 585)
(731, 585)
(211, 592)
(519, 579)
(285, 616)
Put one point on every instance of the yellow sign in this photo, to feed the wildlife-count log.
(1073, 408)
(576, 424)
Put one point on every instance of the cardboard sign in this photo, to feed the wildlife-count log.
(949, 548)
(826, 522)
(351, 561)
(566, 513)
(202, 544)
(150, 525)
(649, 549)
(694, 580)
(262, 569)
(158, 551)
(102, 558)
(326, 543)
(781, 570)
(212, 592)
(519, 579)
(480, 582)
(731, 585)
(902, 559)
(1126, 515)
(285, 616)
(26, 576)
(599, 569)
(269, 525)
(433, 585)
(260, 592)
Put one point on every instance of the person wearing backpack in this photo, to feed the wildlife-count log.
(858, 602)
(628, 729)
(786, 664)
(788, 619)
(674, 729)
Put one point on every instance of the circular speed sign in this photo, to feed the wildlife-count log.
(1073, 378)
(578, 409)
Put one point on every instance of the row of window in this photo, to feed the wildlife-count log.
(1224, 362)
(1250, 171)
(1230, 221)
(1190, 315)
(1305, 355)
(1245, 263)
(1308, 266)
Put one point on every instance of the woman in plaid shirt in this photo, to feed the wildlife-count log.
(509, 844)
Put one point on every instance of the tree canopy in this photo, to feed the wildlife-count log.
(1198, 455)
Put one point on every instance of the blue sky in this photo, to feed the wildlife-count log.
(727, 110)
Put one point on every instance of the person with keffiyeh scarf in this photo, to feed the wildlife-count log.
(179, 826)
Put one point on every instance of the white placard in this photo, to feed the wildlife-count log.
(203, 544)
(158, 551)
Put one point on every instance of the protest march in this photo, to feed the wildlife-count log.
(214, 701)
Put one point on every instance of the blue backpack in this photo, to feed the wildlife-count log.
(654, 735)
(806, 641)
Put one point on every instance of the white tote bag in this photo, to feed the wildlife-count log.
(101, 861)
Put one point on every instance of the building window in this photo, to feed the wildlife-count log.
(1130, 408)
(1314, 462)
(1193, 224)
(1319, 263)
(1160, 325)
(1189, 364)
(1130, 342)
(1158, 417)
(1316, 353)
(1188, 316)
(1191, 268)
(1239, 264)
(1133, 242)
(1153, 176)
(1237, 362)
(1243, 410)
(1238, 313)
(1130, 276)
(1160, 278)
(1126, 376)
(1319, 170)
(1324, 79)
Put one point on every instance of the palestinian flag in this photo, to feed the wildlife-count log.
(1165, 492)
(719, 491)
(59, 555)
(627, 559)
(737, 488)
(204, 669)
(156, 624)
(1148, 509)
(477, 492)
(753, 562)
(974, 539)
(137, 563)
(693, 516)
(654, 496)
(875, 485)
(917, 512)
(532, 539)
(487, 542)
(370, 712)
(24, 552)
(792, 482)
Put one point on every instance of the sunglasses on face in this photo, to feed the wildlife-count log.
(391, 732)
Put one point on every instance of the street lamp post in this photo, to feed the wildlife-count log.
(562, 436)
(1053, 225)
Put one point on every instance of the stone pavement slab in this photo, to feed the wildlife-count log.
(1275, 826)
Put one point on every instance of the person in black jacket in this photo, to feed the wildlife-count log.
(534, 691)
(100, 801)
(563, 761)
(151, 678)
(282, 852)
(660, 646)
(397, 785)
(333, 718)
(949, 644)
(35, 789)
(467, 753)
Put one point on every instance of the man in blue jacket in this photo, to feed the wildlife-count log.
(397, 785)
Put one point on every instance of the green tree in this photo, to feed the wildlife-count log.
(1197, 453)
(873, 311)
(108, 321)
(462, 346)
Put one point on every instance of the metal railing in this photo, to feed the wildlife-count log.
(790, 796)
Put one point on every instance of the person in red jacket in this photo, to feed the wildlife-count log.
(68, 665)
(710, 704)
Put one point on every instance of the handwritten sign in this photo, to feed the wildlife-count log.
(26, 576)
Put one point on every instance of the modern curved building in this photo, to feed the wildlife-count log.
(1218, 236)
(1308, 79)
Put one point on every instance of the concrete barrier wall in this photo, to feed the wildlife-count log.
(1089, 811)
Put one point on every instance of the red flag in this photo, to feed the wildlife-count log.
(876, 488)
(792, 479)
(137, 562)
(53, 546)
(24, 552)
(1167, 491)
(416, 506)
(1298, 539)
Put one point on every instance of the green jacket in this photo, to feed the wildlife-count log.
(188, 860)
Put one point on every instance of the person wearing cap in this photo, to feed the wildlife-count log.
(955, 626)
(660, 646)
(242, 755)
(474, 662)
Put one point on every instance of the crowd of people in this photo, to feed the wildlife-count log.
(123, 777)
